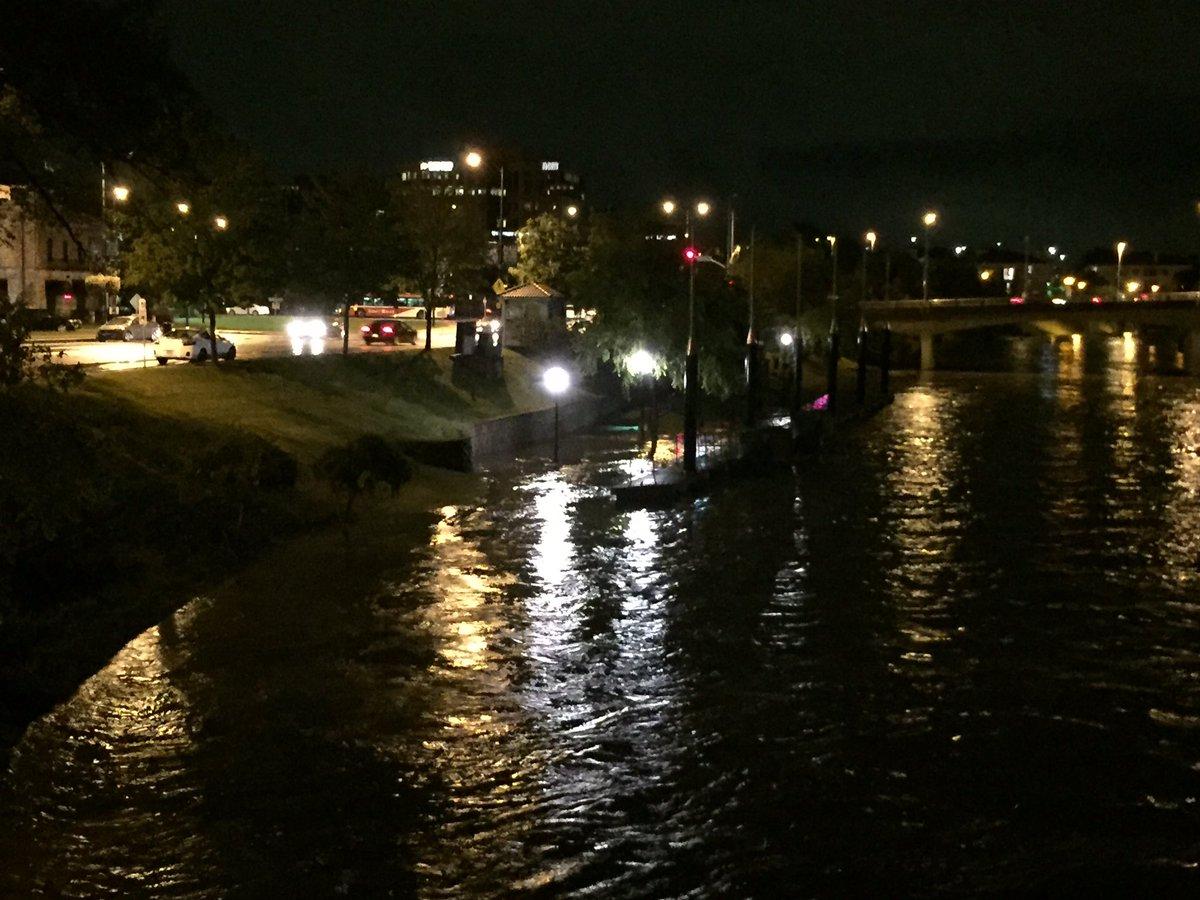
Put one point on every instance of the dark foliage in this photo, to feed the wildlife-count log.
(363, 464)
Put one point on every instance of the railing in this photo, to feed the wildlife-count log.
(973, 303)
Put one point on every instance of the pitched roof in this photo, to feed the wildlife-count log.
(532, 290)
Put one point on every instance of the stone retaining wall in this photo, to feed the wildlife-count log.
(497, 436)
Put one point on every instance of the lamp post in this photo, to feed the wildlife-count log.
(870, 238)
(928, 220)
(556, 380)
(641, 365)
(691, 371)
(797, 375)
(751, 349)
(474, 160)
(834, 332)
(119, 193)
(1121, 245)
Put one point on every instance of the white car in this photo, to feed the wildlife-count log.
(191, 345)
(128, 328)
(254, 309)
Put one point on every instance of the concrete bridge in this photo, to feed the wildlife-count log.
(929, 318)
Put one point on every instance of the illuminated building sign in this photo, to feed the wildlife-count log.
(550, 167)
(437, 165)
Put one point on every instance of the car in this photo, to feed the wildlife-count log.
(128, 328)
(418, 312)
(388, 331)
(40, 320)
(252, 309)
(191, 345)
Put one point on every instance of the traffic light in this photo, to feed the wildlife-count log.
(691, 254)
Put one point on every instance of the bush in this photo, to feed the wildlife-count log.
(363, 464)
(247, 462)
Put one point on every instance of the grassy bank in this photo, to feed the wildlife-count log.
(120, 502)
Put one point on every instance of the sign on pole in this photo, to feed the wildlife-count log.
(139, 307)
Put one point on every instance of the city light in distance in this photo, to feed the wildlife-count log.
(183, 207)
(221, 222)
(703, 208)
(929, 219)
(668, 206)
(572, 211)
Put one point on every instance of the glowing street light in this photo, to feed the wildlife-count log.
(640, 362)
(120, 193)
(183, 207)
(473, 159)
(928, 220)
(668, 207)
(221, 223)
(703, 209)
(572, 211)
(871, 237)
(786, 339)
(556, 380)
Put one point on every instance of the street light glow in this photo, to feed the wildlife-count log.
(572, 211)
(703, 208)
(183, 207)
(120, 193)
(871, 238)
(640, 362)
(929, 219)
(474, 159)
(668, 206)
(221, 223)
(556, 380)
(1121, 245)
(985, 274)
(785, 339)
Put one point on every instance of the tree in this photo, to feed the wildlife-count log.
(446, 242)
(549, 251)
(638, 289)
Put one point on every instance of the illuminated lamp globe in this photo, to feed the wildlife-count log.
(556, 380)
(640, 362)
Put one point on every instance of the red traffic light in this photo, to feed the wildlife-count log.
(691, 254)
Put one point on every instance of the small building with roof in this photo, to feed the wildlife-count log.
(532, 315)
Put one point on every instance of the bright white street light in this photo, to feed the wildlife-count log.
(120, 193)
(572, 211)
(556, 380)
(668, 206)
(785, 339)
(640, 362)
(221, 222)
(183, 207)
(703, 209)
(473, 159)
(929, 219)
(871, 237)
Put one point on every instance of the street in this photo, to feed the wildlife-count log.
(82, 347)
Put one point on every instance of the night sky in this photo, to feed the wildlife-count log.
(1075, 122)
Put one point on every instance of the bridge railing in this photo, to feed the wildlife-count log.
(969, 303)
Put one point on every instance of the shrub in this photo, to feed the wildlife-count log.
(247, 462)
(363, 464)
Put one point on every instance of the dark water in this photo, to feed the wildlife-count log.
(959, 652)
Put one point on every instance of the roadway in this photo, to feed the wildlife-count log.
(81, 347)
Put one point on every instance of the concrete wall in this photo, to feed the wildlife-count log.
(502, 435)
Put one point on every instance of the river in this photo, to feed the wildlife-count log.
(957, 652)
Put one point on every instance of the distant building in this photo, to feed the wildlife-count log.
(40, 263)
(531, 186)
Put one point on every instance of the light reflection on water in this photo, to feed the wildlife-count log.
(956, 652)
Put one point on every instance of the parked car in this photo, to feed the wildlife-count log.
(191, 345)
(253, 309)
(40, 320)
(388, 331)
(128, 328)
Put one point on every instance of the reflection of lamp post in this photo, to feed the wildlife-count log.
(1121, 245)
(556, 380)
(691, 372)
(928, 220)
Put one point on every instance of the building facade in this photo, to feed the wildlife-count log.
(41, 264)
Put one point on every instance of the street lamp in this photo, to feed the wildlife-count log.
(474, 160)
(183, 207)
(928, 220)
(691, 371)
(641, 364)
(572, 211)
(1121, 245)
(120, 193)
(220, 223)
(870, 237)
(556, 380)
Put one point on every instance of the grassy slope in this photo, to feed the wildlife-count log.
(304, 404)
(111, 472)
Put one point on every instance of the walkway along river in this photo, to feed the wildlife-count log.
(957, 652)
